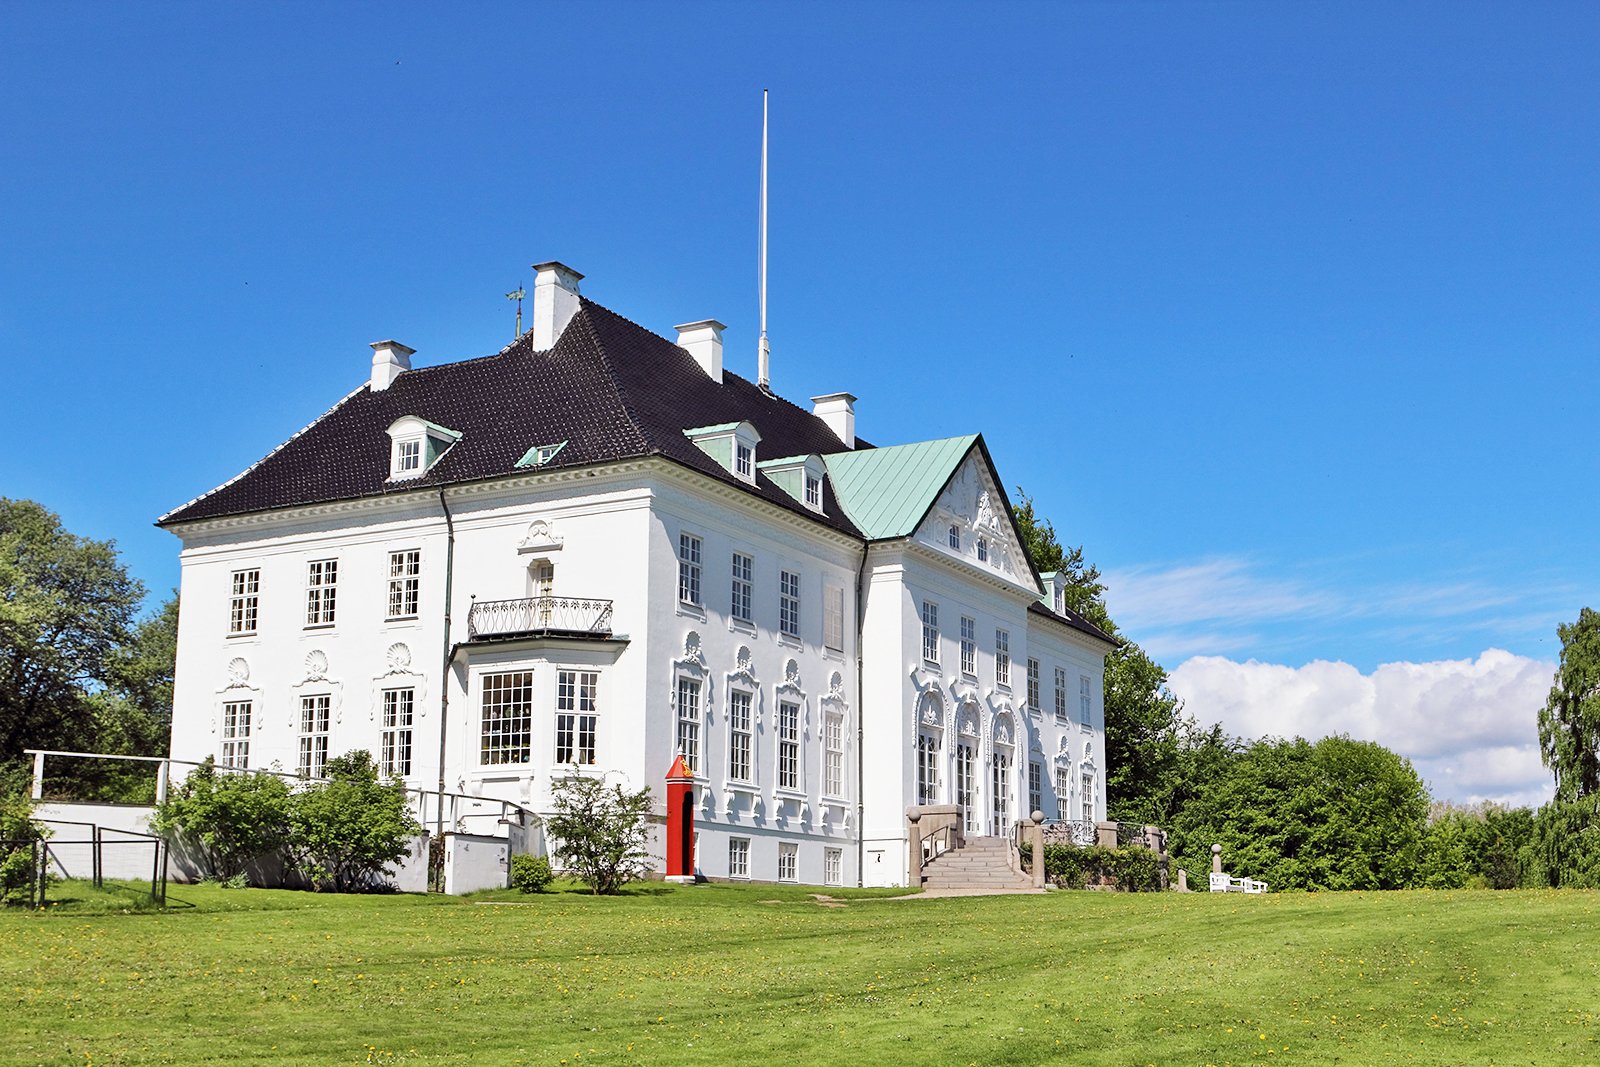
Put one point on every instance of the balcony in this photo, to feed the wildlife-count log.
(538, 616)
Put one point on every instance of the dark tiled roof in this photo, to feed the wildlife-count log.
(609, 388)
(1073, 619)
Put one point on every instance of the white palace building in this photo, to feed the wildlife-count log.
(599, 547)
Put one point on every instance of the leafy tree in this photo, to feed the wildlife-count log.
(232, 818)
(600, 830)
(18, 833)
(1569, 723)
(345, 833)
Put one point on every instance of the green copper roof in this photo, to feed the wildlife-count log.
(887, 491)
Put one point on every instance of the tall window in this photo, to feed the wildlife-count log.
(688, 568)
(1002, 658)
(969, 646)
(689, 721)
(236, 733)
(743, 568)
(789, 603)
(744, 462)
(930, 631)
(927, 768)
(833, 617)
(738, 857)
(399, 708)
(405, 583)
(953, 537)
(739, 736)
(507, 734)
(409, 456)
(966, 785)
(314, 734)
(322, 582)
(1061, 694)
(813, 491)
(1035, 787)
(1085, 701)
(1000, 784)
(833, 755)
(983, 550)
(788, 861)
(576, 717)
(1033, 685)
(788, 746)
(1086, 797)
(833, 866)
(246, 602)
(1063, 791)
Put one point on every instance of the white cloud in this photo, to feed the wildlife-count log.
(1469, 726)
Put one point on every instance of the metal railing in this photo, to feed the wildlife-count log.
(539, 615)
(1080, 832)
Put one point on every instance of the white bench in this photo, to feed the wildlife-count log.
(1222, 883)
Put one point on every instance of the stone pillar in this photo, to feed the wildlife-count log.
(1183, 880)
(1036, 844)
(915, 835)
(1216, 859)
(1105, 834)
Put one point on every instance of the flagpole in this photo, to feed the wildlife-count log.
(763, 349)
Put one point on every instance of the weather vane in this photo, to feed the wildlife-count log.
(517, 294)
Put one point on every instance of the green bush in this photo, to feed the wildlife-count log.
(531, 874)
(345, 833)
(18, 833)
(601, 830)
(231, 817)
(1132, 870)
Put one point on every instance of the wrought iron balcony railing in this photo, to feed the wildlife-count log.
(539, 615)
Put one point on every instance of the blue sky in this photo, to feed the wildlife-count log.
(1287, 313)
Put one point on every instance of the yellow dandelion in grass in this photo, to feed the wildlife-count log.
(1261, 1037)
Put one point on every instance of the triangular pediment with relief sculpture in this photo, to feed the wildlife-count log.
(973, 505)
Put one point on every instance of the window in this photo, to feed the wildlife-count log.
(689, 721)
(930, 632)
(399, 707)
(408, 457)
(739, 736)
(833, 755)
(1063, 786)
(927, 768)
(789, 603)
(969, 646)
(1060, 598)
(1086, 797)
(953, 537)
(744, 462)
(743, 568)
(1035, 787)
(405, 583)
(689, 568)
(1000, 782)
(1085, 701)
(507, 735)
(314, 735)
(788, 861)
(983, 550)
(322, 581)
(788, 746)
(813, 491)
(833, 617)
(1002, 658)
(576, 717)
(738, 857)
(236, 733)
(246, 602)
(1033, 685)
(966, 785)
(1061, 694)
(833, 866)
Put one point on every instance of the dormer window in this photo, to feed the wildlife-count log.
(415, 445)
(813, 492)
(731, 444)
(799, 476)
(539, 455)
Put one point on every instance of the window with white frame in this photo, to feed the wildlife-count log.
(1061, 694)
(967, 784)
(930, 632)
(506, 735)
(245, 605)
(1035, 787)
(927, 767)
(236, 733)
(1000, 792)
(788, 746)
(983, 550)
(1060, 597)
(789, 603)
(407, 457)
(833, 617)
(953, 537)
(738, 857)
(833, 754)
(813, 491)
(1063, 791)
(744, 462)
(399, 710)
(1086, 797)
(577, 717)
(743, 586)
(1085, 701)
(689, 569)
(689, 721)
(833, 866)
(314, 717)
(739, 735)
(969, 646)
(322, 586)
(788, 861)
(1002, 658)
(405, 583)
(1033, 685)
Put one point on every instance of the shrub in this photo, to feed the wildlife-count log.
(345, 833)
(18, 834)
(1133, 870)
(232, 818)
(531, 874)
(601, 830)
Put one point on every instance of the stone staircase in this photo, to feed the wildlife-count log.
(982, 865)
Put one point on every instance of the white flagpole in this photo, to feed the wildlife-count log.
(763, 349)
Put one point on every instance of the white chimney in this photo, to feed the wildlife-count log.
(838, 410)
(555, 301)
(703, 341)
(390, 359)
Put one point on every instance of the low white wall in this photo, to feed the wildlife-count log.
(473, 862)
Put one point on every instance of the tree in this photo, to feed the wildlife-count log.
(346, 833)
(134, 710)
(1569, 723)
(600, 830)
(232, 818)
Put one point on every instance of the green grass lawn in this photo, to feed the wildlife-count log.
(760, 974)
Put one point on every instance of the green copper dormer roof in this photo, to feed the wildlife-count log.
(887, 492)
